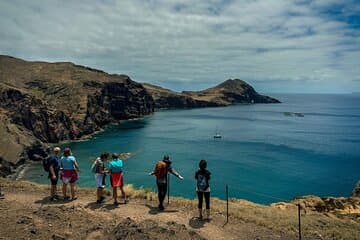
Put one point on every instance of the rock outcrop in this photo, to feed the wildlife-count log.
(356, 191)
(227, 93)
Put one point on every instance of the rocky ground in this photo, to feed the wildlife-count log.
(27, 213)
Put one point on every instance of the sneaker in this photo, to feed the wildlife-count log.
(161, 208)
(98, 201)
(66, 198)
(53, 199)
(126, 200)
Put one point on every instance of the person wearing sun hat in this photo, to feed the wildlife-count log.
(69, 167)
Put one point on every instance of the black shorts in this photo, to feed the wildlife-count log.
(54, 181)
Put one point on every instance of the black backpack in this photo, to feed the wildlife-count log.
(46, 163)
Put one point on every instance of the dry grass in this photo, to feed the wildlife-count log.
(314, 225)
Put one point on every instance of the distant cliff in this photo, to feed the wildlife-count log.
(227, 93)
(44, 103)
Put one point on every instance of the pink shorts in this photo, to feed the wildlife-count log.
(69, 176)
(116, 179)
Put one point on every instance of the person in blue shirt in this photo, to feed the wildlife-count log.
(54, 168)
(116, 177)
(69, 167)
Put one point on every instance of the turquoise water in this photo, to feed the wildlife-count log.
(264, 155)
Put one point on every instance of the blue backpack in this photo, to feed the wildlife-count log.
(201, 182)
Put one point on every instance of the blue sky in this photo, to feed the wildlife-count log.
(275, 45)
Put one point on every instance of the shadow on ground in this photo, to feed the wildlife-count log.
(155, 210)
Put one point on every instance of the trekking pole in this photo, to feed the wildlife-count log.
(299, 216)
(227, 203)
(168, 187)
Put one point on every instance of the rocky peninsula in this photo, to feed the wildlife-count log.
(43, 103)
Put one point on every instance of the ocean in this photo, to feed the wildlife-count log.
(265, 154)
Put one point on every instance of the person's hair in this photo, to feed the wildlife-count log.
(67, 152)
(104, 155)
(115, 155)
(202, 164)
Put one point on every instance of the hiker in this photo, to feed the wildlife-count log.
(202, 177)
(116, 177)
(161, 170)
(69, 167)
(99, 169)
(54, 168)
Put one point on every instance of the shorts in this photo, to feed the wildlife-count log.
(99, 179)
(116, 179)
(54, 181)
(69, 176)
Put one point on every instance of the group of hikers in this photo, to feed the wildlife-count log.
(66, 168)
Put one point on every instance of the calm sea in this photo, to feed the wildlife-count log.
(264, 155)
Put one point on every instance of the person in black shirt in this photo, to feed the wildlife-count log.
(54, 168)
(202, 177)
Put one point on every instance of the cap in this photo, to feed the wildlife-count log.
(67, 150)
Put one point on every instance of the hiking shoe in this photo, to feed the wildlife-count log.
(53, 199)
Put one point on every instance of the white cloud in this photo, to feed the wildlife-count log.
(194, 42)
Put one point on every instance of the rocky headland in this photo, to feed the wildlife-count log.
(42, 103)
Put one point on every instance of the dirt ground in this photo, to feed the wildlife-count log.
(27, 213)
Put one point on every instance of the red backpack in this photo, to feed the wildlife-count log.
(160, 169)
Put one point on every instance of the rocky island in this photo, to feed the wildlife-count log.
(43, 103)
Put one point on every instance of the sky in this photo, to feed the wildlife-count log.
(277, 46)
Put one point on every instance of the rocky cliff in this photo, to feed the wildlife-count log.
(51, 102)
(44, 103)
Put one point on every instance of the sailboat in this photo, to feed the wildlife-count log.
(217, 134)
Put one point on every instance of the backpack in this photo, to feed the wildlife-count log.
(160, 169)
(201, 182)
(46, 163)
(94, 166)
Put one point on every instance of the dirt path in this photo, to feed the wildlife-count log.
(30, 214)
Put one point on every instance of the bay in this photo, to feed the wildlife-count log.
(263, 156)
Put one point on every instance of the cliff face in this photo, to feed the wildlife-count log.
(227, 93)
(44, 103)
(51, 102)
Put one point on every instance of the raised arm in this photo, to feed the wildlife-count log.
(175, 173)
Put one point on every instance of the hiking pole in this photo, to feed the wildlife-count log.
(168, 187)
(227, 203)
(299, 216)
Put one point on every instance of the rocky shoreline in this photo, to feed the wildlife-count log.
(47, 103)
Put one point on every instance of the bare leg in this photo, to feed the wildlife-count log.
(64, 190)
(115, 194)
(72, 187)
(123, 194)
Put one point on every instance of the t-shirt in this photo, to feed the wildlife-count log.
(206, 174)
(116, 165)
(54, 161)
(68, 162)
